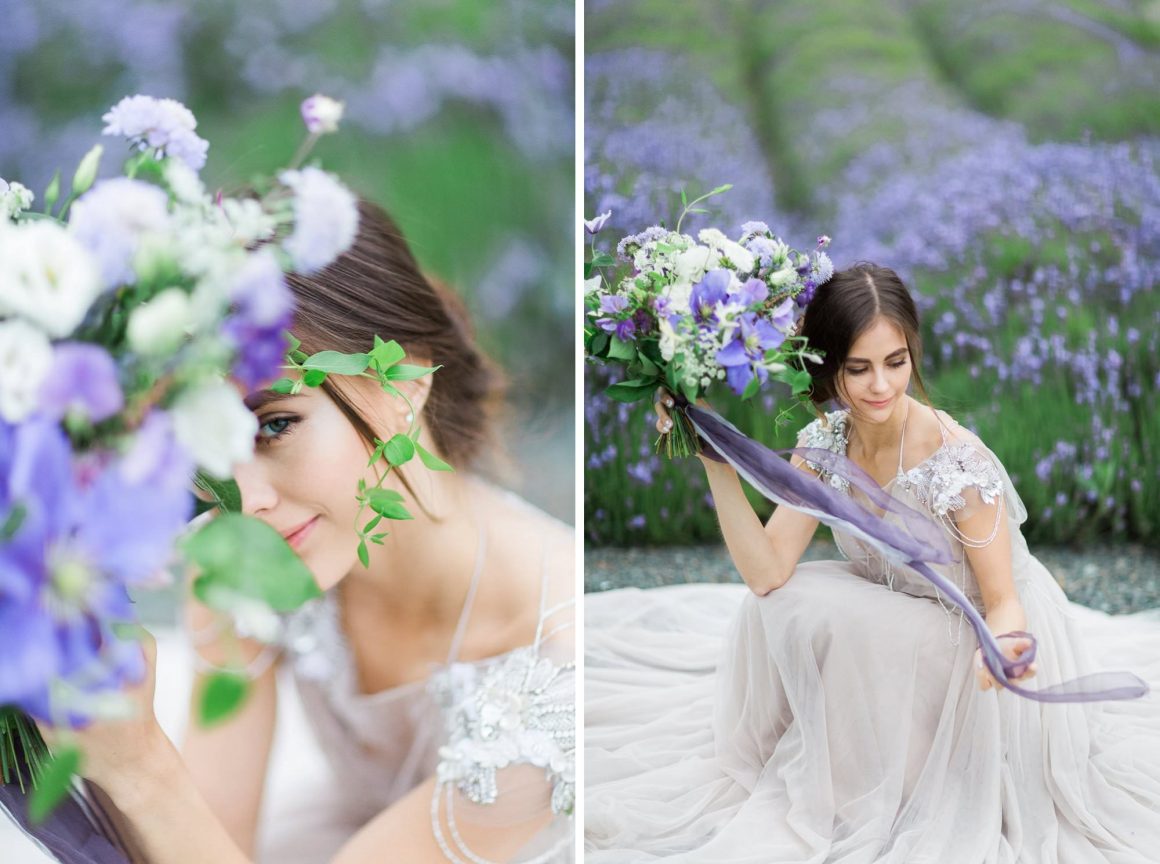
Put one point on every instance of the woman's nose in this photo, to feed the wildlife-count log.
(258, 493)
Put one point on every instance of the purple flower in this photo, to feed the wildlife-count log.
(263, 311)
(752, 340)
(88, 532)
(111, 218)
(612, 304)
(593, 226)
(753, 291)
(83, 380)
(162, 124)
(325, 219)
(783, 316)
(321, 114)
(707, 293)
(624, 329)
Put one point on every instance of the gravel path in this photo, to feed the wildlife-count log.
(1116, 579)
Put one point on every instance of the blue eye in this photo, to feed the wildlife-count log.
(274, 429)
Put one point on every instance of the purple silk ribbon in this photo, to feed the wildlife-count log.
(78, 831)
(917, 541)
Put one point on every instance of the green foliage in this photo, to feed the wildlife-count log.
(53, 782)
(223, 693)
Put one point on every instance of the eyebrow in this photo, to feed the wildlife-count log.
(888, 356)
(262, 398)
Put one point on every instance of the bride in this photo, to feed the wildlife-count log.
(438, 679)
(839, 711)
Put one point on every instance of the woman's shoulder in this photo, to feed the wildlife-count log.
(958, 461)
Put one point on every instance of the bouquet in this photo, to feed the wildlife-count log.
(684, 313)
(125, 310)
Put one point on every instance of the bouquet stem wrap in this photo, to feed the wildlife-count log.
(916, 542)
(78, 831)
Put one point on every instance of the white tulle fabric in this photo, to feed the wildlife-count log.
(838, 718)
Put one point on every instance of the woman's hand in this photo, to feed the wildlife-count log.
(1013, 647)
(664, 424)
(115, 748)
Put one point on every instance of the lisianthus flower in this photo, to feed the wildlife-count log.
(25, 361)
(86, 535)
(83, 380)
(47, 277)
(159, 325)
(752, 339)
(215, 427)
(111, 219)
(325, 219)
(321, 114)
(593, 226)
(707, 293)
(162, 124)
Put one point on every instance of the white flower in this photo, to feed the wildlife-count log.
(783, 276)
(159, 326)
(740, 257)
(668, 340)
(46, 276)
(162, 124)
(591, 286)
(712, 237)
(691, 264)
(184, 183)
(25, 360)
(215, 427)
(823, 268)
(111, 219)
(14, 197)
(248, 220)
(321, 114)
(325, 219)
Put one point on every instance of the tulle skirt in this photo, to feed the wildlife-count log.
(836, 720)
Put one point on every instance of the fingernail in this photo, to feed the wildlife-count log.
(668, 403)
(668, 425)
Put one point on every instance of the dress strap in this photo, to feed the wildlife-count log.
(472, 589)
(902, 440)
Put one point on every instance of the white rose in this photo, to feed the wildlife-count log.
(158, 327)
(46, 276)
(25, 359)
(215, 427)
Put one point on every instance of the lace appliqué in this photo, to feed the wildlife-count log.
(939, 481)
(832, 436)
(512, 712)
(313, 641)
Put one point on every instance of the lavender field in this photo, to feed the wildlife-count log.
(1003, 156)
(459, 119)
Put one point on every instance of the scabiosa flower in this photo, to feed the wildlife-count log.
(593, 226)
(165, 125)
(321, 114)
(325, 219)
(82, 381)
(111, 219)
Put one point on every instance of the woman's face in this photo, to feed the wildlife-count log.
(877, 371)
(303, 479)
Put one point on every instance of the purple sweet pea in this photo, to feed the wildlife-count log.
(753, 291)
(87, 533)
(613, 304)
(752, 340)
(593, 226)
(707, 293)
(83, 381)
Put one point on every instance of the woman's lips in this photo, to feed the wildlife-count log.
(881, 404)
(296, 537)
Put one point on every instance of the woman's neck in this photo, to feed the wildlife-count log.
(869, 439)
(425, 565)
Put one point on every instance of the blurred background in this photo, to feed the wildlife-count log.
(459, 120)
(1001, 155)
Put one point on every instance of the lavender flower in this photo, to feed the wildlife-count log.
(325, 219)
(165, 125)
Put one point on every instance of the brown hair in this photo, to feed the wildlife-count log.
(845, 307)
(377, 288)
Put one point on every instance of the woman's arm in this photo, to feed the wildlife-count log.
(765, 556)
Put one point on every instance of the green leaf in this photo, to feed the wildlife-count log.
(722, 188)
(224, 494)
(684, 198)
(689, 390)
(52, 784)
(52, 192)
(364, 554)
(399, 450)
(386, 354)
(313, 377)
(222, 695)
(338, 363)
(599, 342)
(297, 357)
(631, 391)
(245, 555)
(432, 461)
(285, 386)
(405, 372)
(388, 504)
(12, 522)
(602, 259)
(751, 388)
(292, 343)
(621, 350)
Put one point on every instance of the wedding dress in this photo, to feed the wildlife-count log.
(838, 719)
